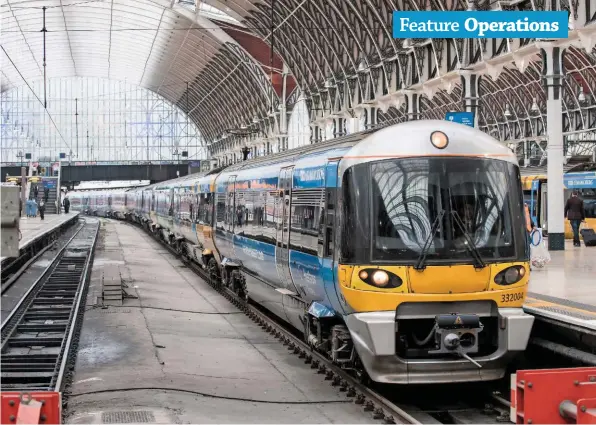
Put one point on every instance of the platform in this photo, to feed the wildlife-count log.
(181, 353)
(565, 290)
(35, 228)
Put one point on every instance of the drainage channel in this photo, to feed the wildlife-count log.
(37, 336)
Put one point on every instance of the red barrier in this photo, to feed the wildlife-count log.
(554, 396)
(30, 408)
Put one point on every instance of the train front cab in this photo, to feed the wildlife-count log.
(415, 285)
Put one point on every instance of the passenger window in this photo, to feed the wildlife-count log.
(221, 211)
(240, 213)
(306, 220)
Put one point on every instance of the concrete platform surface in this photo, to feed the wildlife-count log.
(565, 289)
(33, 228)
(181, 353)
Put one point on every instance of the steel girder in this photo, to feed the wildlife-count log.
(343, 56)
(157, 44)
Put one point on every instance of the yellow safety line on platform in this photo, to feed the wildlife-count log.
(538, 303)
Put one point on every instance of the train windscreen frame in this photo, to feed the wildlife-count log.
(390, 207)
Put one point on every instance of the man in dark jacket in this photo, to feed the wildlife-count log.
(575, 213)
(42, 208)
(66, 204)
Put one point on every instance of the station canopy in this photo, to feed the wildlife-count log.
(213, 58)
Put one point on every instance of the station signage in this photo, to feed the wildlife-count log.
(481, 24)
(466, 118)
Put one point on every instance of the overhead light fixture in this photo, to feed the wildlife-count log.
(535, 107)
(507, 111)
(582, 96)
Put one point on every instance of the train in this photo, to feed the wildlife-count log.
(400, 253)
(581, 178)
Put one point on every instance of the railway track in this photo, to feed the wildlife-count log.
(37, 335)
(12, 268)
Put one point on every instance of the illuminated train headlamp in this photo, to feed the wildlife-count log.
(380, 278)
(439, 139)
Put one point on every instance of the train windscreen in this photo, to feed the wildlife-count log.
(451, 205)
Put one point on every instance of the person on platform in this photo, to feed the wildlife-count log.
(29, 207)
(66, 204)
(46, 193)
(42, 208)
(575, 213)
(35, 191)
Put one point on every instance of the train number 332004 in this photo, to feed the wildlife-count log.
(509, 298)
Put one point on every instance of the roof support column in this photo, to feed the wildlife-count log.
(283, 115)
(552, 77)
(371, 116)
(339, 127)
(315, 133)
(470, 83)
(413, 105)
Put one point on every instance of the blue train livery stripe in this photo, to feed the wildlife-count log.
(315, 277)
(308, 178)
(246, 183)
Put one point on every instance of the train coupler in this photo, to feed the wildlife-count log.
(457, 334)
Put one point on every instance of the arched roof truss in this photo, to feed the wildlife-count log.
(156, 44)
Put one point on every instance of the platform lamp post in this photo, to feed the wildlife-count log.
(21, 155)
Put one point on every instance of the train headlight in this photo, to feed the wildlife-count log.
(510, 275)
(439, 139)
(380, 278)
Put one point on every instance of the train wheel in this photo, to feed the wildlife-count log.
(213, 273)
(239, 285)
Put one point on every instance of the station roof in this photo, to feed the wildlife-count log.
(160, 45)
(330, 47)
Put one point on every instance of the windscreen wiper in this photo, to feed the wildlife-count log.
(421, 259)
(479, 264)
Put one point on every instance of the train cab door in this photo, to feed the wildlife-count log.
(283, 210)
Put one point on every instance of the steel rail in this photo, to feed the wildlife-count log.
(13, 278)
(49, 316)
(39, 280)
(75, 312)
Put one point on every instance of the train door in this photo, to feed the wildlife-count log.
(282, 245)
(171, 209)
(542, 208)
(230, 206)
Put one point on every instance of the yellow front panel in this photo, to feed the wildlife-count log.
(448, 279)
(363, 297)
